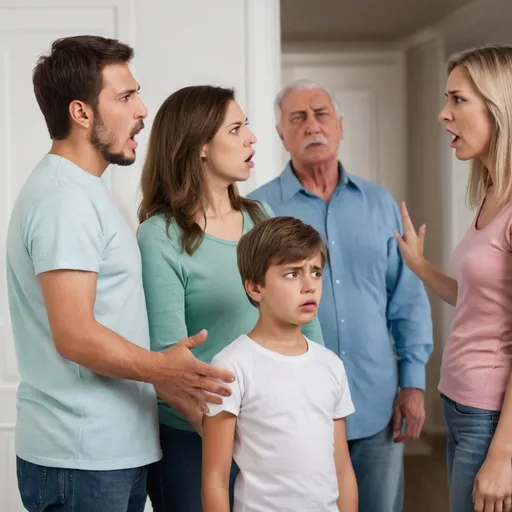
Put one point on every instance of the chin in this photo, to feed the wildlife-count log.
(318, 157)
(121, 159)
(305, 318)
(243, 176)
(464, 156)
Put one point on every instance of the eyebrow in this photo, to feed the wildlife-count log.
(295, 268)
(239, 123)
(453, 92)
(316, 110)
(128, 91)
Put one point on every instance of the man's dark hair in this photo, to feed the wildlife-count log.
(73, 70)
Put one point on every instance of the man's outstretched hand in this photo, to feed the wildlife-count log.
(189, 379)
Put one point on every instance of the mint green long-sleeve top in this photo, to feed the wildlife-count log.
(187, 293)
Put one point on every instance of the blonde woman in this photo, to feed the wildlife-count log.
(476, 382)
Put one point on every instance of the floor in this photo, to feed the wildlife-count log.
(425, 479)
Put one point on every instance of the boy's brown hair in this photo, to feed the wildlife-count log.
(276, 241)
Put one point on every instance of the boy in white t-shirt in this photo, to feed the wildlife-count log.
(284, 423)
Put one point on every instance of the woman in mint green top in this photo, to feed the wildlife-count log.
(192, 217)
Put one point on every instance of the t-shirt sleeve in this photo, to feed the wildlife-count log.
(62, 230)
(233, 403)
(164, 280)
(344, 405)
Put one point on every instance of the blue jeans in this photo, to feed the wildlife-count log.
(174, 482)
(378, 465)
(45, 489)
(470, 431)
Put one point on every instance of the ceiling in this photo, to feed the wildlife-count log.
(360, 20)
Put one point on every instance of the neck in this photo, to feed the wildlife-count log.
(272, 333)
(490, 168)
(218, 203)
(83, 155)
(320, 179)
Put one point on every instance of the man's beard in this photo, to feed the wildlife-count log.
(103, 140)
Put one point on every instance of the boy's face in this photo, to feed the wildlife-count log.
(292, 291)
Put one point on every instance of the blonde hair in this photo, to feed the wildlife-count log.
(490, 69)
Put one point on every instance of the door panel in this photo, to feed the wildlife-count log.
(25, 33)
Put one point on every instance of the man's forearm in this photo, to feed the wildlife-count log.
(105, 352)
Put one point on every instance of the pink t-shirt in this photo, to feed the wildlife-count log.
(477, 360)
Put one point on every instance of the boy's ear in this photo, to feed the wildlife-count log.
(253, 290)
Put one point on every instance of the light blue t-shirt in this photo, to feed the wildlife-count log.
(69, 416)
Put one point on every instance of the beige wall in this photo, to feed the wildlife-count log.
(436, 181)
(429, 188)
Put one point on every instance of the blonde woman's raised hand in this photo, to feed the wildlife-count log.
(411, 242)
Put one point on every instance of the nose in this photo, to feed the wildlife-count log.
(142, 111)
(312, 126)
(251, 138)
(308, 284)
(445, 114)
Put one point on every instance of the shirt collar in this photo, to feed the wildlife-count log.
(290, 184)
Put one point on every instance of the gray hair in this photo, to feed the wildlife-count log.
(301, 83)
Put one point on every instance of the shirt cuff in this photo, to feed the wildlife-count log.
(411, 375)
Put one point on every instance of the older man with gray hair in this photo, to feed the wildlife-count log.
(374, 312)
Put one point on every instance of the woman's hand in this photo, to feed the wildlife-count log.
(410, 243)
(492, 490)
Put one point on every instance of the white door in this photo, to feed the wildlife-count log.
(176, 44)
(370, 91)
(25, 33)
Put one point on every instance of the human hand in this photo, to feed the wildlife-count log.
(492, 489)
(410, 243)
(409, 406)
(189, 379)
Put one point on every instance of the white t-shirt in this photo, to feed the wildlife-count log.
(284, 443)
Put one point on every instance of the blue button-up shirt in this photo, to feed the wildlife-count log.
(374, 311)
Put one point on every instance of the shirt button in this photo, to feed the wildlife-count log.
(337, 281)
(342, 352)
(342, 320)
(333, 242)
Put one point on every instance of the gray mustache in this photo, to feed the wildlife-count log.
(318, 139)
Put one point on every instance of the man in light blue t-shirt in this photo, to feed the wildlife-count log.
(87, 425)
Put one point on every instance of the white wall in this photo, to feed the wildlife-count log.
(232, 43)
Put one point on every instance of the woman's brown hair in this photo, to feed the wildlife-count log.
(173, 182)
